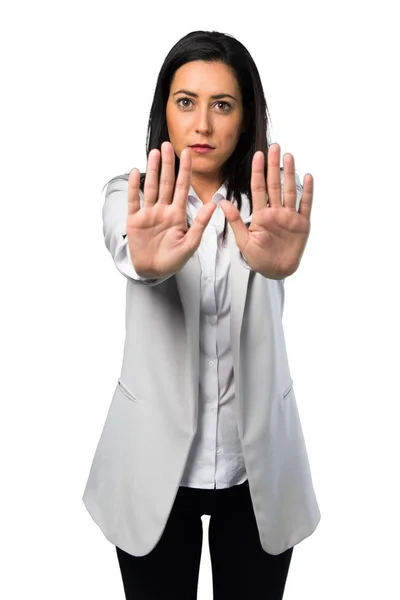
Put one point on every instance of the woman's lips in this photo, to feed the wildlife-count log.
(201, 149)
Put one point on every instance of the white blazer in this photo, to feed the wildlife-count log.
(151, 424)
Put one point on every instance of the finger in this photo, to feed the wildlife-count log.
(236, 222)
(183, 180)
(274, 188)
(289, 182)
(195, 232)
(257, 182)
(167, 178)
(133, 192)
(307, 196)
(151, 181)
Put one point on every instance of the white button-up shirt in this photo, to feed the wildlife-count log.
(215, 459)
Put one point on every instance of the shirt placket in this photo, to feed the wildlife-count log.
(210, 386)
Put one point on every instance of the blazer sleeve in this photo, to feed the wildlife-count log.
(115, 212)
(299, 192)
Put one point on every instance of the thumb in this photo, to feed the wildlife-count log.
(235, 220)
(193, 236)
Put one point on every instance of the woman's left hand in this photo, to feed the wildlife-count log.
(274, 242)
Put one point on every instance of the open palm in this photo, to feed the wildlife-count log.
(274, 242)
(160, 242)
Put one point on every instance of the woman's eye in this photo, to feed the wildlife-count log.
(184, 100)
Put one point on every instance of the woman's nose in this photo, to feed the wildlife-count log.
(203, 123)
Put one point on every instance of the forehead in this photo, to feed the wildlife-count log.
(205, 77)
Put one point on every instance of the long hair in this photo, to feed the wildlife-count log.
(212, 46)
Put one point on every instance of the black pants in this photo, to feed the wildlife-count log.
(241, 569)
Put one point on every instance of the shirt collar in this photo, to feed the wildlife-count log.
(194, 204)
(220, 194)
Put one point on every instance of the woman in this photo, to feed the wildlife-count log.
(204, 419)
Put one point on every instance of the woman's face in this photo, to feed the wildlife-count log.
(205, 107)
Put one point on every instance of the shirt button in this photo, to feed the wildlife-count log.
(210, 363)
(213, 320)
(219, 451)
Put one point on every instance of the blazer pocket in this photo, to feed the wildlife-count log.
(287, 390)
(126, 392)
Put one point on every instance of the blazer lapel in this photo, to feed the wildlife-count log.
(239, 286)
(188, 281)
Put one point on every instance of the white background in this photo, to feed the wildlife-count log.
(78, 80)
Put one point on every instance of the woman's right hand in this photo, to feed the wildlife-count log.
(160, 242)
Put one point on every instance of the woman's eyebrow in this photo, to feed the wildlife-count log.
(215, 97)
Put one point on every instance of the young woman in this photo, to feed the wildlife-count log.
(204, 419)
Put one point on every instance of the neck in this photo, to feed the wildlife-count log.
(205, 186)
